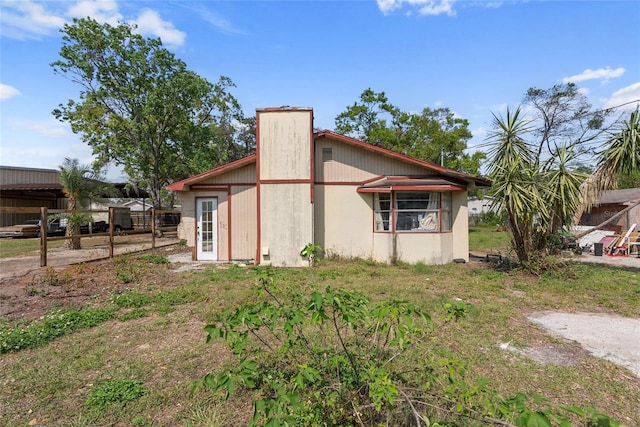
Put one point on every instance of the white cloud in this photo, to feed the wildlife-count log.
(149, 22)
(30, 20)
(27, 20)
(8, 92)
(603, 74)
(423, 7)
(103, 11)
(49, 129)
(627, 97)
(480, 132)
(211, 17)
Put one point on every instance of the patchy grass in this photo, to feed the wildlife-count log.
(487, 239)
(155, 341)
(31, 247)
(22, 247)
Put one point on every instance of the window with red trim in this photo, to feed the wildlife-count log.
(410, 211)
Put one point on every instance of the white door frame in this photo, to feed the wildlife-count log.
(207, 228)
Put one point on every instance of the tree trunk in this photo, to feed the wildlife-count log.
(519, 238)
(73, 230)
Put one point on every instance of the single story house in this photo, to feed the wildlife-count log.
(352, 198)
(481, 205)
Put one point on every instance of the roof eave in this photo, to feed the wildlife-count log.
(181, 185)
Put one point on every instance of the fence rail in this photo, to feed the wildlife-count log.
(153, 226)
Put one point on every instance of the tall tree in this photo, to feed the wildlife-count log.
(562, 117)
(80, 185)
(139, 106)
(367, 119)
(434, 135)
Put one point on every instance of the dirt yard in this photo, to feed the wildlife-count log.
(71, 278)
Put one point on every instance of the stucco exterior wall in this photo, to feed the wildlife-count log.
(460, 226)
(344, 220)
(428, 248)
(284, 145)
(286, 224)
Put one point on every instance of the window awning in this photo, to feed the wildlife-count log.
(389, 184)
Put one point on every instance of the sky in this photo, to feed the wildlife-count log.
(474, 57)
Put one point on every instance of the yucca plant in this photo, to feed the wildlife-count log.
(540, 198)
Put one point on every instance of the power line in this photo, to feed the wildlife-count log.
(589, 113)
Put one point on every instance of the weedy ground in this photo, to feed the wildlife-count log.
(133, 354)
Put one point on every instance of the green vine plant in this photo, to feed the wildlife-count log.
(334, 357)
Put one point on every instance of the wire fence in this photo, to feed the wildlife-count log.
(152, 223)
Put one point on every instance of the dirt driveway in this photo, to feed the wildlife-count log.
(14, 267)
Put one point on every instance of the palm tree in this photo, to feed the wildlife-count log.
(80, 184)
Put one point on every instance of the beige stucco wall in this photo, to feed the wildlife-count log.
(286, 218)
(344, 220)
(460, 222)
(284, 144)
(428, 248)
(344, 227)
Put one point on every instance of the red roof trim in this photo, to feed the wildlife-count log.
(180, 185)
(373, 189)
(284, 108)
(388, 189)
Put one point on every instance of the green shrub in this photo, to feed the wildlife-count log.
(51, 326)
(155, 259)
(115, 392)
(335, 357)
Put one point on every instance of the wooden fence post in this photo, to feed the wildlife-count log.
(111, 225)
(44, 228)
(153, 228)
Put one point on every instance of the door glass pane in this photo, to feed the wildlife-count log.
(207, 226)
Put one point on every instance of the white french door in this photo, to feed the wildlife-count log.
(207, 229)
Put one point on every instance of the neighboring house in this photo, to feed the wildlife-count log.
(352, 198)
(482, 205)
(610, 203)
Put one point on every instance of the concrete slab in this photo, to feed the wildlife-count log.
(610, 337)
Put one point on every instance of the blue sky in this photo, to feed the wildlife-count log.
(474, 57)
